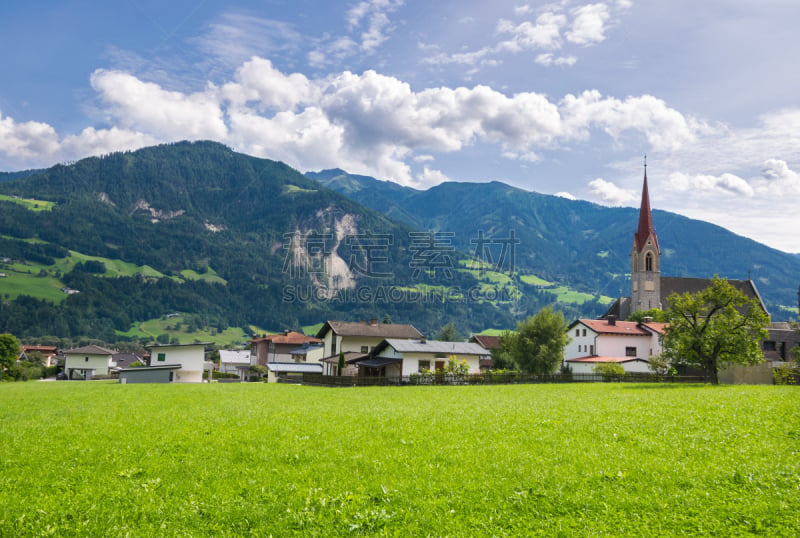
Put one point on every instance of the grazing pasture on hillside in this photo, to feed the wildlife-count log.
(102, 459)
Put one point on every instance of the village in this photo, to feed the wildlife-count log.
(400, 353)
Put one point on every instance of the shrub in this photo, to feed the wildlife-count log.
(610, 371)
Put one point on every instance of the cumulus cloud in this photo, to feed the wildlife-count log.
(703, 183)
(583, 25)
(147, 107)
(368, 123)
(588, 25)
(430, 177)
(566, 195)
(610, 193)
(778, 179)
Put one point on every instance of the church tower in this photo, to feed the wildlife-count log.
(645, 259)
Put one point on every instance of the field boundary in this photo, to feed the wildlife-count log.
(486, 379)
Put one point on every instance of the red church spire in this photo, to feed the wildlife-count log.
(646, 227)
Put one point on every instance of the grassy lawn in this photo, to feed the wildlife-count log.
(230, 337)
(102, 459)
(29, 203)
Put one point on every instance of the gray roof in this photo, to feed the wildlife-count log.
(229, 356)
(295, 367)
(89, 350)
(435, 346)
(363, 328)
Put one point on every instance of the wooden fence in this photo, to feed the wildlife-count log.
(489, 379)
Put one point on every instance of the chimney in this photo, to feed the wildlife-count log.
(612, 320)
(373, 321)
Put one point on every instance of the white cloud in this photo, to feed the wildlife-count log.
(375, 14)
(777, 179)
(430, 177)
(24, 141)
(147, 107)
(610, 193)
(566, 195)
(237, 36)
(588, 26)
(423, 158)
(547, 59)
(258, 81)
(703, 183)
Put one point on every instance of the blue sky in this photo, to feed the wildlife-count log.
(556, 97)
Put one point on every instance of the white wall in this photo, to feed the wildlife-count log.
(100, 363)
(610, 345)
(191, 358)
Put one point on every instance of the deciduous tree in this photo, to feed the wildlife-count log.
(538, 344)
(714, 328)
(9, 351)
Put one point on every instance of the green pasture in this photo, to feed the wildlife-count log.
(25, 280)
(29, 203)
(103, 459)
(534, 280)
(151, 329)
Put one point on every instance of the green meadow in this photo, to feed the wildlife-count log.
(103, 459)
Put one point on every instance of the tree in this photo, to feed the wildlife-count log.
(656, 314)
(448, 333)
(538, 345)
(714, 328)
(341, 366)
(9, 351)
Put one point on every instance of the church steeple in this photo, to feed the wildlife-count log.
(645, 258)
(646, 228)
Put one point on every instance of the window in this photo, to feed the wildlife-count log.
(86, 359)
(424, 365)
(333, 345)
(648, 262)
(584, 332)
(769, 345)
(591, 349)
(577, 332)
(630, 351)
(162, 356)
(364, 349)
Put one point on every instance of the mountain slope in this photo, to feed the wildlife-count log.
(283, 250)
(577, 242)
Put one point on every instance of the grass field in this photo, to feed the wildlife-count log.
(102, 459)
(230, 337)
(29, 203)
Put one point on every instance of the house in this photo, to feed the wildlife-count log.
(276, 347)
(87, 361)
(490, 344)
(235, 362)
(189, 358)
(396, 357)
(48, 352)
(148, 374)
(357, 340)
(291, 371)
(777, 347)
(125, 359)
(308, 353)
(628, 343)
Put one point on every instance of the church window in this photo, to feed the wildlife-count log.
(648, 262)
(635, 263)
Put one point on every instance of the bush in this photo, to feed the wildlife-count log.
(611, 371)
(786, 374)
(216, 374)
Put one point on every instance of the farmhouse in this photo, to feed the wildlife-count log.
(627, 343)
(357, 339)
(87, 362)
(489, 343)
(396, 357)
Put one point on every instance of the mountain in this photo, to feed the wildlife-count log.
(578, 243)
(227, 238)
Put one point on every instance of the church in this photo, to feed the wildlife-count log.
(648, 288)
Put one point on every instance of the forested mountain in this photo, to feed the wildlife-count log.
(237, 240)
(576, 242)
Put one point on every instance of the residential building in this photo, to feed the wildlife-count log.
(48, 352)
(276, 347)
(190, 359)
(87, 362)
(357, 340)
(396, 357)
(490, 344)
(627, 343)
(235, 362)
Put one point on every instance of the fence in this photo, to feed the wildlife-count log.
(490, 379)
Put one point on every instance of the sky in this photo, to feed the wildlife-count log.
(562, 97)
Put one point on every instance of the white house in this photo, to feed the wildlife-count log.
(88, 361)
(235, 362)
(190, 357)
(628, 343)
(357, 340)
(402, 357)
